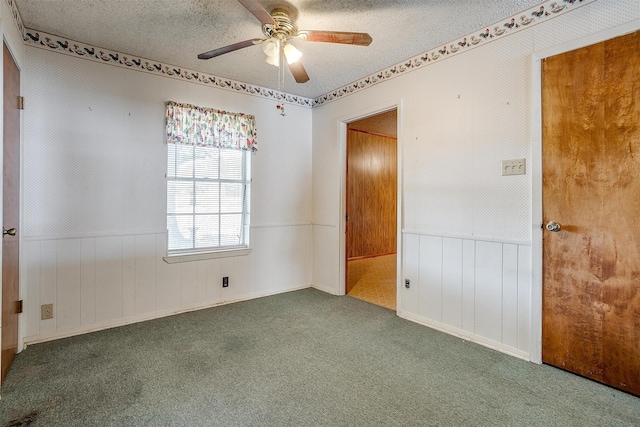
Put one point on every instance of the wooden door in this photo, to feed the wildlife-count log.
(10, 211)
(591, 187)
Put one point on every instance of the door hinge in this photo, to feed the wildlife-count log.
(19, 307)
(21, 103)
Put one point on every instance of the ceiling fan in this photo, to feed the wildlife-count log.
(279, 28)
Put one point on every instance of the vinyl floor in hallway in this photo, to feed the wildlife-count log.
(373, 280)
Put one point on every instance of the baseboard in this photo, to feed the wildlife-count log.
(467, 336)
(70, 332)
(325, 289)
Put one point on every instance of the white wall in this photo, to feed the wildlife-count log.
(467, 230)
(95, 199)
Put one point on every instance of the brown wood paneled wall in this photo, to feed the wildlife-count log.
(372, 178)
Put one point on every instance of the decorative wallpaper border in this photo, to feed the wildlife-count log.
(528, 18)
(96, 54)
(17, 19)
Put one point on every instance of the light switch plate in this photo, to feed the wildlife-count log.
(514, 167)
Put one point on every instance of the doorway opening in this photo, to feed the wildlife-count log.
(371, 209)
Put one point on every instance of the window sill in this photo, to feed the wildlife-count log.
(198, 256)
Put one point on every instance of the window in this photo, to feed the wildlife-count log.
(208, 179)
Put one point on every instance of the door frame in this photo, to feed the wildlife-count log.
(18, 237)
(12, 37)
(536, 174)
(342, 161)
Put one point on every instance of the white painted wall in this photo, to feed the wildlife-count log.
(467, 230)
(95, 199)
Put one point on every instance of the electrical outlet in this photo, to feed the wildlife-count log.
(407, 283)
(46, 311)
(225, 282)
(514, 167)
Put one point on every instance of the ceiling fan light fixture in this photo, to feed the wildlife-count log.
(270, 47)
(291, 53)
(273, 60)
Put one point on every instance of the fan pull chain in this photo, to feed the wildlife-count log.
(281, 60)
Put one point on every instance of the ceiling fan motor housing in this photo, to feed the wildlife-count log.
(284, 27)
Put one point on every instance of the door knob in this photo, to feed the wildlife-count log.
(553, 226)
(10, 232)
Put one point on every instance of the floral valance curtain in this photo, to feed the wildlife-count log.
(192, 125)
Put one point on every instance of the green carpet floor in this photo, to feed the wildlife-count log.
(303, 358)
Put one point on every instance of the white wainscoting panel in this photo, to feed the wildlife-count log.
(410, 302)
(188, 279)
(468, 285)
(479, 290)
(326, 258)
(108, 271)
(105, 281)
(145, 273)
(430, 277)
(48, 275)
(488, 297)
(31, 280)
(68, 281)
(168, 285)
(128, 276)
(87, 280)
(452, 282)
(524, 298)
(510, 295)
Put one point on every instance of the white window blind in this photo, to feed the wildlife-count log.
(208, 198)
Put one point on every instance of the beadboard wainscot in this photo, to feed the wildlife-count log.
(476, 288)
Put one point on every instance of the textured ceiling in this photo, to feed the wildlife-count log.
(175, 31)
